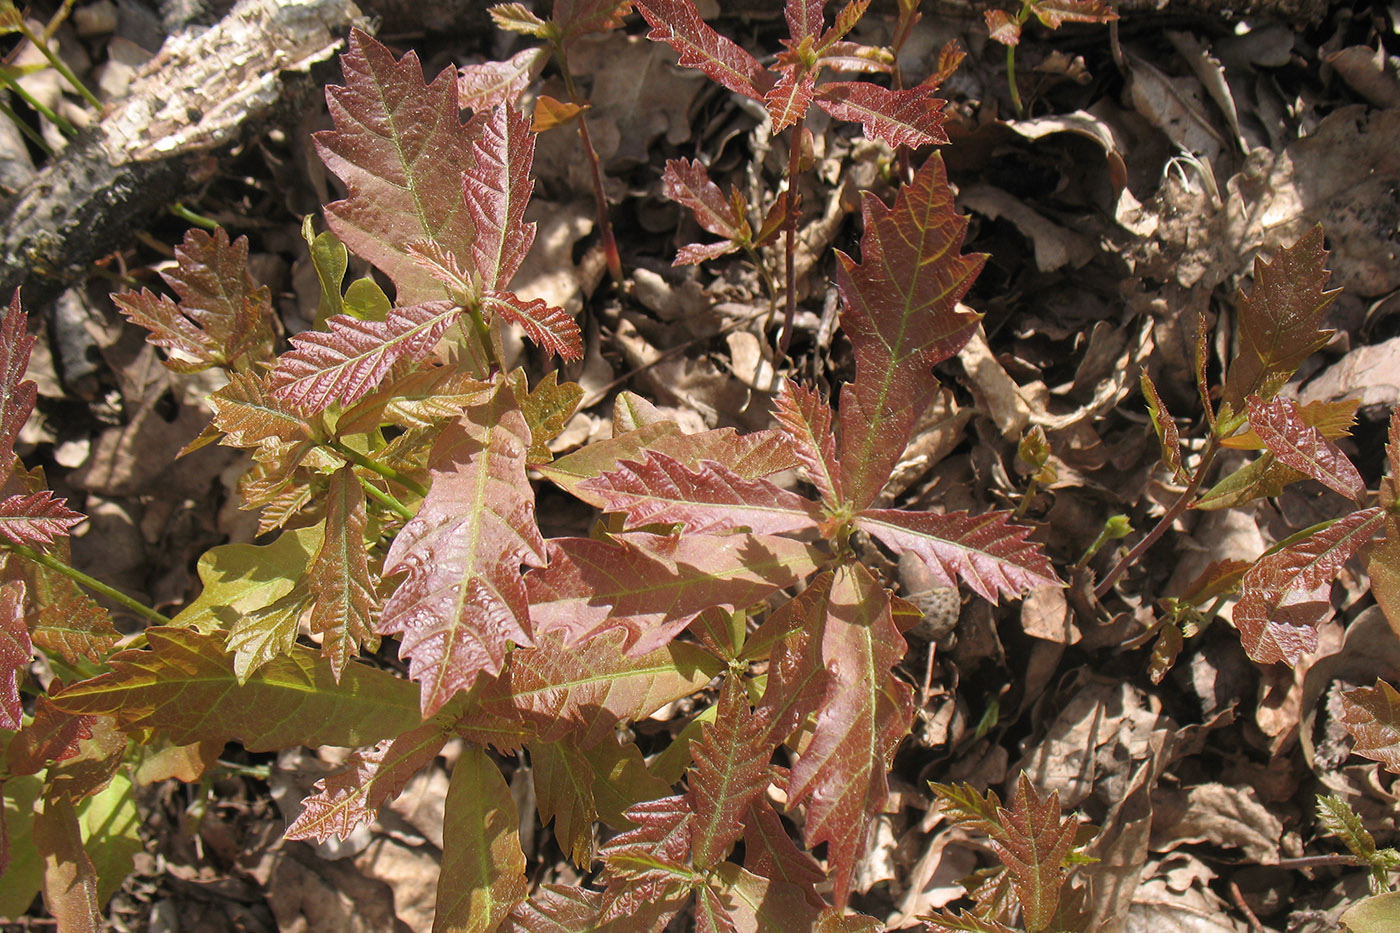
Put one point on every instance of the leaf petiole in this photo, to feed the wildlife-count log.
(374, 466)
(82, 579)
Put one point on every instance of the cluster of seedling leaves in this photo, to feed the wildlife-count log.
(392, 458)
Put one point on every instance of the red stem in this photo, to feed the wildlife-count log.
(790, 235)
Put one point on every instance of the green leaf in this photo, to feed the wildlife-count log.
(20, 863)
(184, 685)
(329, 258)
(1339, 819)
(483, 868)
(110, 825)
(241, 578)
(1379, 914)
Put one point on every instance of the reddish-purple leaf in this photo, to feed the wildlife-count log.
(463, 601)
(1002, 27)
(678, 23)
(770, 852)
(911, 117)
(688, 183)
(1287, 594)
(36, 518)
(552, 328)
(17, 394)
(1032, 842)
(707, 499)
(790, 96)
(653, 587)
(804, 18)
(579, 17)
(52, 736)
(352, 796)
(557, 908)
(67, 621)
(987, 552)
(347, 362)
(692, 254)
(901, 314)
(497, 188)
(807, 421)
(1372, 716)
(840, 776)
(1055, 13)
(1167, 434)
(730, 773)
(1303, 448)
(649, 865)
(493, 84)
(401, 150)
(1279, 320)
(15, 652)
(946, 921)
(343, 598)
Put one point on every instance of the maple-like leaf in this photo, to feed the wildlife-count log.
(1372, 716)
(341, 365)
(343, 601)
(15, 652)
(494, 84)
(652, 588)
(17, 394)
(463, 601)
(481, 858)
(184, 686)
(987, 552)
(731, 772)
(401, 150)
(580, 17)
(251, 416)
(678, 23)
(36, 518)
(901, 314)
(1032, 841)
(67, 621)
(497, 189)
(351, 797)
(909, 117)
(1280, 320)
(222, 318)
(840, 777)
(1280, 427)
(52, 736)
(1286, 594)
(709, 498)
(807, 421)
(547, 409)
(552, 328)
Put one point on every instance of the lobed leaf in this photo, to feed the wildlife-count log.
(15, 652)
(497, 189)
(65, 619)
(901, 314)
(36, 518)
(840, 777)
(17, 394)
(401, 150)
(547, 409)
(483, 868)
(251, 416)
(184, 686)
(791, 95)
(1280, 320)
(557, 908)
(804, 18)
(770, 852)
(649, 866)
(1281, 428)
(1032, 842)
(730, 773)
(987, 552)
(678, 24)
(579, 17)
(1002, 27)
(413, 397)
(1287, 594)
(463, 601)
(1342, 821)
(909, 117)
(688, 184)
(807, 421)
(343, 599)
(1372, 716)
(347, 362)
(552, 328)
(563, 780)
(1055, 13)
(963, 922)
(495, 84)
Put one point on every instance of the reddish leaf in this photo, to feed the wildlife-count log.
(902, 317)
(497, 188)
(731, 772)
(557, 908)
(1303, 448)
(15, 652)
(549, 327)
(17, 394)
(648, 866)
(628, 582)
(564, 778)
(1333, 419)
(343, 601)
(36, 518)
(347, 362)
(464, 601)
(1383, 566)
(987, 552)
(401, 150)
(840, 776)
(579, 17)
(413, 397)
(962, 922)
(483, 869)
(910, 117)
(251, 416)
(1003, 27)
(493, 84)
(709, 499)
(52, 736)
(1279, 320)
(223, 318)
(1167, 434)
(351, 797)
(949, 58)
(770, 852)
(804, 18)
(1032, 842)
(1372, 716)
(790, 96)
(1055, 13)
(678, 23)
(67, 621)
(807, 421)
(688, 183)
(1286, 594)
(70, 880)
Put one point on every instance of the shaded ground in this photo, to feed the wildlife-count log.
(1154, 164)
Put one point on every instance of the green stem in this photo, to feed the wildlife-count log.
(1011, 80)
(97, 586)
(374, 466)
(29, 132)
(386, 500)
(41, 109)
(790, 236)
(59, 65)
(600, 199)
(189, 216)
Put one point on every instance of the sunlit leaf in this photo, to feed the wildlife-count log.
(1032, 841)
(910, 117)
(15, 653)
(17, 394)
(343, 599)
(1372, 716)
(731, 771)
(1281, 428)
(1165, 426)
(678, 23)
(493, 84)
(36, 518)
(483, 868)
(807, 420)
